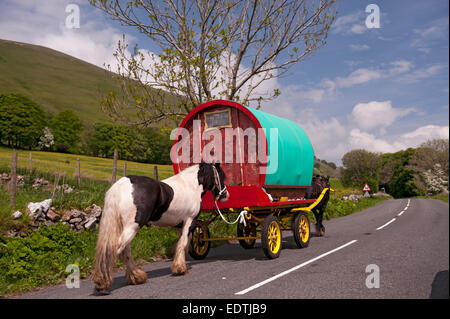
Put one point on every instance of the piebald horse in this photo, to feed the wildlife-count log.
(135, 201)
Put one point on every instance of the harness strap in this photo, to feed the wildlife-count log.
(240, 218)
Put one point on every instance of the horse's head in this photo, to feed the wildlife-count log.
(212, 177)
(325, 181)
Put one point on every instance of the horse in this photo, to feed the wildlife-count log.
(134, 201)
(318, 184)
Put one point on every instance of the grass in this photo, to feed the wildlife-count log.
(94, 168)
(441, 197)
(57, 81)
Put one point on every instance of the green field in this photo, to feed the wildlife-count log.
(91, 167)
(58, 81)
(52, 79)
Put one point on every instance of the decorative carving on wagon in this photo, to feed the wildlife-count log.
(268, 162)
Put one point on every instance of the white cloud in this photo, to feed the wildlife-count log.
(422, 73)
(353, 23)
(359, 47)
(426, 37)
(424, 133)
(359, 76)
(43, 23)
(367, 141)
(376, 114)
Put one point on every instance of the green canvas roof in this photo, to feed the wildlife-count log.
(295, 153)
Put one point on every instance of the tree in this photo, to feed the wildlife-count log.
(209, 49)
(66, 128)
(431, 165)
(46, 140)
(21, 121)
(361, 167)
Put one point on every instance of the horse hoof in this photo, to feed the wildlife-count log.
(179, 270)
(136, 277)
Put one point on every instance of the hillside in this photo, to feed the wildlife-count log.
(52, 79)
(55, 80)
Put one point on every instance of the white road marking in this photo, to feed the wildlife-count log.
(242, 292)
(391, 221)
(406, 207)
(400, 214)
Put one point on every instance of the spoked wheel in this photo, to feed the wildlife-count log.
(198, 247)
(271, 237)
(301, 230)
(246, 231)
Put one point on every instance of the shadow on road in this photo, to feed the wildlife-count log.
(231, 251)
(439, 287)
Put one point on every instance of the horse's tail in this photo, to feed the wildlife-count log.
(107, 243)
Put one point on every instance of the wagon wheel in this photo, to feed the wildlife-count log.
(271, 237)
(198, 248)
(301, 230)
(246, 231)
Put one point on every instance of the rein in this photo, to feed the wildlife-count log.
(218, 185)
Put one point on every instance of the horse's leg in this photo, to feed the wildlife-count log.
(321, 228)
(134, 274)
(179, 261)
(317, 216)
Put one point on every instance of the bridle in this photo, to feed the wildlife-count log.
(217, 184)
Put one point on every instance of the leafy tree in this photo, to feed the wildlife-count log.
(146, 145)
(361, 167)
(21, 121)
(66, 128)
(207, 50)
(46, 140)
(396, 175)
(430, 163)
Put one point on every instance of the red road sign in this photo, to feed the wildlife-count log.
(366, 188)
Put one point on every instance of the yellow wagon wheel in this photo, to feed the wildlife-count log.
(271, 237)
(301, 229)
(198, 247)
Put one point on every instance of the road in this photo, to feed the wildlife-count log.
(406, 240)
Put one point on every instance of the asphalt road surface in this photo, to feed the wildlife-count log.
(405, 242)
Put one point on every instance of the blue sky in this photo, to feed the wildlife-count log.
(381, 89)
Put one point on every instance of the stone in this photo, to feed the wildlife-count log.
(17, 214)
(91, 220)
(36, 209)
(53, 216)
(75, 213)
(75, 220)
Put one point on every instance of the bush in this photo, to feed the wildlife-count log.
(41, 257)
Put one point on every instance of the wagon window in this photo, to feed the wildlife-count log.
(217, 119)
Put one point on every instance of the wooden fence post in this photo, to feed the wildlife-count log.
(114, 173)
(125, 169)
(13, 182)
(78, 172)
(155, 172)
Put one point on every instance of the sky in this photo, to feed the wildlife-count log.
(381, 89)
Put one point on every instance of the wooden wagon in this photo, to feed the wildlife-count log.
(267, 190)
